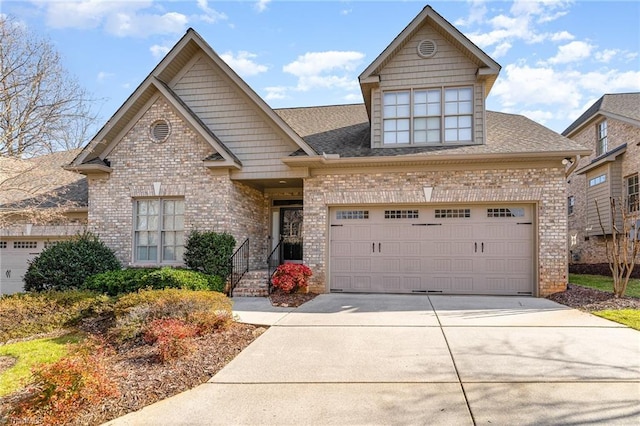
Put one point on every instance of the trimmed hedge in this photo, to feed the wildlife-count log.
(598, 269)
(66, 265)
(209, 252)
(132, 280)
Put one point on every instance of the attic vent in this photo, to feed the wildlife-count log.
(427, 48)
(159, 131)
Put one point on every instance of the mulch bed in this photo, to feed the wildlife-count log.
(290, 300)
(588, 299)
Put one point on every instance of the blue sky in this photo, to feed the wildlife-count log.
(557, 56)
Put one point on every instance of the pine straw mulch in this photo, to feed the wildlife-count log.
(590, 300)
(289, 300)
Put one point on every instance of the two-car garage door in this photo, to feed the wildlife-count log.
(477, 249)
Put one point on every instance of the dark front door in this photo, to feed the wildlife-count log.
(291, 233)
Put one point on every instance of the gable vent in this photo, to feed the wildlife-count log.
(159, 131)
(427, 48)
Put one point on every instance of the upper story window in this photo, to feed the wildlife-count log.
(571, 204)
(597, 180)
(601, 144)
(633, 193)
(418, 117)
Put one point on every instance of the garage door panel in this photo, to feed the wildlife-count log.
(467, 250)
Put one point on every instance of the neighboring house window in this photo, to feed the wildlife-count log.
(598, 180)
(418, 116)
(633, 193)
(571, 203)
(601, 146)
(159, 230)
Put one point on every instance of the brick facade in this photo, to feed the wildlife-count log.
(582, 247)
(542, 186)
(212, 200)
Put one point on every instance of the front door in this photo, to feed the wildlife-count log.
(291, 233)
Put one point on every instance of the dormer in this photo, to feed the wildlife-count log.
(428, 87)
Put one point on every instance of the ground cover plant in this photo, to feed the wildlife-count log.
(604, 283)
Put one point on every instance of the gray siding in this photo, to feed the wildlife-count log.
(448, 68)
(601, 193)
(240, 125)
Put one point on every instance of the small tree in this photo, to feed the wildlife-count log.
(623, 246)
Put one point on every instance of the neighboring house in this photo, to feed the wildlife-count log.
(418, 190)
(40, 203)
(611, 128)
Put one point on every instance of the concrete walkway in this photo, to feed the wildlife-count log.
(391, 359)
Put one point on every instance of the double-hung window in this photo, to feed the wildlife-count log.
(428, 116)
(159, 231)
(601, 145)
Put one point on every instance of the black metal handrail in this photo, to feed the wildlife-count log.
(239, 265)
(273, 261)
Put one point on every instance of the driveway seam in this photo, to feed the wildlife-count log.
(455, 367)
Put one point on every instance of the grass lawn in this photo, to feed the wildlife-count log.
(29, 354)
(628, 317)
(600, 282)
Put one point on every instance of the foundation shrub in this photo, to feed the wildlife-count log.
(130, 280)
(66, 265)
(59, 390)
(209, 252)
(290, 277)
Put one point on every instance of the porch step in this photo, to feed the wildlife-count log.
(253, 284)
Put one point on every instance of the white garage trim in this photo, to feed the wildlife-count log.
(441, 249)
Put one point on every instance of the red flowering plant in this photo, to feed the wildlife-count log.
(290, 277)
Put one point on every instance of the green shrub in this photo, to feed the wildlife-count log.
(26, 314)
(66, 265)
(205, 309)
(209, 252)
(132, 280)
(118, 282)
(64, 387)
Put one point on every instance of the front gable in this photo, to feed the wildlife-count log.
(215, 103)
(430, 58)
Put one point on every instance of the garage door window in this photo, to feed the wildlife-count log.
(352, 214)
(159, 231)
(25, 244)
(401, 214)
(506, 212)
(3, 244)
(452, 213)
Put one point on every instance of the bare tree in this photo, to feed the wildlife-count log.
(624, 245)
(42, 107)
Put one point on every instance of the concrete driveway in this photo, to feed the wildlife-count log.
(393, 359)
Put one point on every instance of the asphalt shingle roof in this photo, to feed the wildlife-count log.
(42, 182)
(622, 104)
(345, 130)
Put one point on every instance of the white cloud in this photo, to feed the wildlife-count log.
(261, 5)
(538, 115)
(158, 51)
(561, 36)
(477, 11)
(103, 75)
(353, 97)
(210, 15)
(329, 69)
(276, 92)
(346, 11)
(139, 18)
(572, 52)
(501, 49)
(606, 55)
(243, 63)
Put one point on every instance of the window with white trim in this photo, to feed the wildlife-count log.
(159, 231)
(601, 145)
(417, 116)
